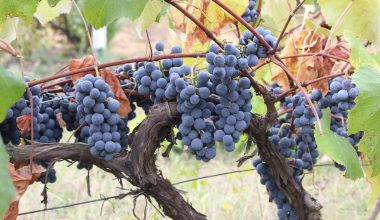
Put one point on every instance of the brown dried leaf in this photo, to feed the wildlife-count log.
(23, 123)
(86, 61)
(118, 92)
(208, 13)
(22, 178)
(307, 68)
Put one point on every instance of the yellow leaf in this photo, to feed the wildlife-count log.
(209, 14)
(46, 13)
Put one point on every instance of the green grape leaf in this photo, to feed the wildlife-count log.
(46, 13)
(337, 148)
(359, 55)
(148, 16)
(274, 14)
(362, 19)
(11, 89)
(20, 8)
(366, 115)
(163, 12)
(100, 13)
(7, 190)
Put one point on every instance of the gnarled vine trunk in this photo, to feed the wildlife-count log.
(139, 168)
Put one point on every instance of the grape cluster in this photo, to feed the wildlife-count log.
(167, 64)
(150, 80)
(233, 112)
(196, 127)
(250, 13)
(72, 119)
(340, 99)
(304, 121)
(69, 114)
(254, 49)
(82, 165)
(282, 138)
(285, 210)
(27, 109)
(50, 130)
(45, 125)
(99, 109)
(126, 68)
(48, 176)
(8, 128)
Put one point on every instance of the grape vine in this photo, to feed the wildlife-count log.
(206, 107)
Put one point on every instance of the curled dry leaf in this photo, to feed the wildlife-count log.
(107, 75)
(22, 178)
(311, 67)
(86, 61)
(118, 92)
(23, 123)
(215, 20)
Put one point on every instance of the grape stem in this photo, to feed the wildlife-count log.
(291, 15)
(114, 63)
(246, 24)
(297, 84)
(85, 26)
(288, 110)
(197, 22)
(376, 211)
(258, 11)
(56, 84)
(5, 46)
(323, 54)
(307, 83)
(149, 43)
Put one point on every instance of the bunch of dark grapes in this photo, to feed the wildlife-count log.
(97, 105)
(250, 13)
(147, 78)
(233, 112)
(37, 117)
(8, 128)
(282, 138)
(69, 114)
(49, 176)
(125, 69)
(196, 127)
(50, 130)
(285, 210)
(304, 122)
(167, 64)
(254, 49)
(340, 99)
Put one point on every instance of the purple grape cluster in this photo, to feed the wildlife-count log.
(99, 109)
(233, 112)
(250, 13)
(254, 49)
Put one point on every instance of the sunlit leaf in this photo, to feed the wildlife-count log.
(100, 13)
(337, 147)
(46, 13)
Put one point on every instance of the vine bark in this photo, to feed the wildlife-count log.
(138, 166)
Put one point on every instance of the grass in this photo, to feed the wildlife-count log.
(233, 196)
